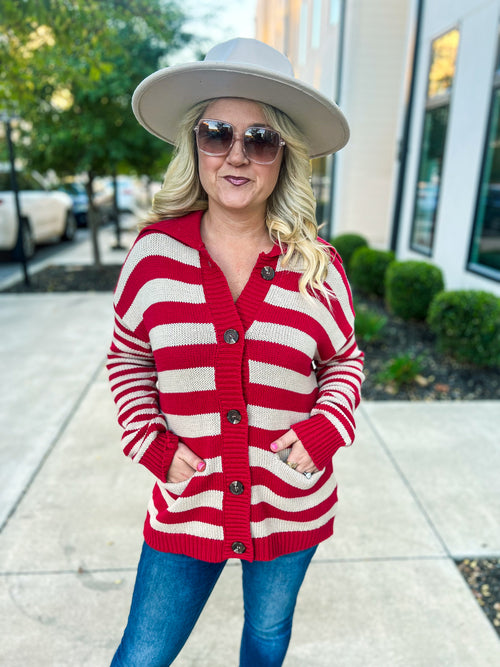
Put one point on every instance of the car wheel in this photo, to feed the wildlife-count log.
(70, 227)
(25, 242)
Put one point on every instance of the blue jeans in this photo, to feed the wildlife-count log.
(171, 591)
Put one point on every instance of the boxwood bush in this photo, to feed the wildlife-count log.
(410, 287)
(346, 244)
(467, 326)
(367, 269)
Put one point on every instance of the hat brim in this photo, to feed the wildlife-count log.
(162, 99)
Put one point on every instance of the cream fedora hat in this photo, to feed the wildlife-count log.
(245, 68)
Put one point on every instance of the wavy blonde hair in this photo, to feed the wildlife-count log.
(291, 208)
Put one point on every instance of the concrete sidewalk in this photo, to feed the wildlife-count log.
(417, 490)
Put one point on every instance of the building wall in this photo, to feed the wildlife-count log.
(373, 84)
(375, 76)
(477, 21)
(374, 62)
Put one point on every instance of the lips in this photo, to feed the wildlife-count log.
(236, 180)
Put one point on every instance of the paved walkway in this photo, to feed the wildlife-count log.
(417, 490)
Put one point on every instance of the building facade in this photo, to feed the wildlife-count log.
(419, 81)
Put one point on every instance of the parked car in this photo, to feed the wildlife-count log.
(80, 201)
(126, 195)
(45, 215)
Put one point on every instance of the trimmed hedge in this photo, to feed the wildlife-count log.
(467, 326)
(367, 270)
(346, 244)
(410, 286)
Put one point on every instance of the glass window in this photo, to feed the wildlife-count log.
(335, 6)
(441, 73)
(321, 185)
(316, 25)
(303, 33)
(484, 256)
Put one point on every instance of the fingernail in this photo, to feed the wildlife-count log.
(201, 466)
(274, 447)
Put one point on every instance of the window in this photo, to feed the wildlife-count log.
(441, 74)
(484, 256)
(335, 8)
(316, 25)
(303, 33)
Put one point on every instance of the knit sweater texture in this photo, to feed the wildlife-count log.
(189, 364)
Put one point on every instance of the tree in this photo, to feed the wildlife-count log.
(72, 82)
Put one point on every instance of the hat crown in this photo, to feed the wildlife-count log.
(251, 53)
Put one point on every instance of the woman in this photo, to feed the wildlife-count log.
(233, 364)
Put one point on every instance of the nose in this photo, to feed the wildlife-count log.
(237, 153)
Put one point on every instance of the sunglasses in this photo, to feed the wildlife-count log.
(216, 138)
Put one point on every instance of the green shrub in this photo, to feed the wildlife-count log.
(367, 270)
(410, 287)
(369, 324)
(467, 326)
(346, 244)
(402, 370)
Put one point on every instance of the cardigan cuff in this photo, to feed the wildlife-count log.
(320, 438)
(158, 456)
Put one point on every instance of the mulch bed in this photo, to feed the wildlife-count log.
(439, 378)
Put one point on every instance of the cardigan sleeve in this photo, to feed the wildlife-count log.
(331, 423)
(133, 378)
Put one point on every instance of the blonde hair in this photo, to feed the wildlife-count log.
(291, 208)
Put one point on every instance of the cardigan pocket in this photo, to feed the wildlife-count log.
(293, 477)
(275, 463)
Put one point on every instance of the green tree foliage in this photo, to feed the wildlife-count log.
(71, 69)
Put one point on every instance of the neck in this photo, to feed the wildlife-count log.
(242, 227)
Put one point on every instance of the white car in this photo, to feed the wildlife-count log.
(45, 215)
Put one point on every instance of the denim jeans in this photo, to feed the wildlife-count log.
(171, 591)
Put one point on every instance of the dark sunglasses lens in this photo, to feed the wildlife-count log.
(214, 137)
(262, 144)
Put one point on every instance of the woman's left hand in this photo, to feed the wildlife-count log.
(298, 453)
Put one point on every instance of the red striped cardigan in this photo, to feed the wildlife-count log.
(187, 363)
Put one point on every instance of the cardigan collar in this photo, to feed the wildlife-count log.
(187, 230)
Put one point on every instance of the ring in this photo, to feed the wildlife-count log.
(292, 464)
(308, 475)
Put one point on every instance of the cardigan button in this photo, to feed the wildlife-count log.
(236, 488)
(238, 547)
(231, 336)
(267, 273)
(234, 416)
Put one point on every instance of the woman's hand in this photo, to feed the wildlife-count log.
(184, 464)
(298, 454)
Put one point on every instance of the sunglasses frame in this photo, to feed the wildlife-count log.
(235, 138)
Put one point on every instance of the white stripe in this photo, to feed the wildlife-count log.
(262, 494)
(139, 398)
(155, 245)
(161, 290)
(212, 499)
(272, 419)
(337, 285)
(196, 528)
(337, 423)
(276, 464)
(270, 375)
(195, 426)
(187, 380)
(282, 335)
(137, 341)
(281, 298)
(213, 465)
(124, 348)
(269, 526)
(182, 333)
